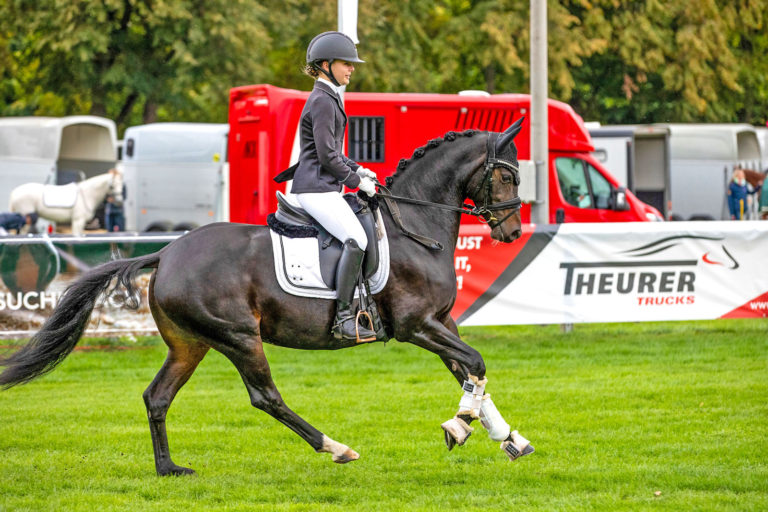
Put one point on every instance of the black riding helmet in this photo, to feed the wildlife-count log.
(331, 46)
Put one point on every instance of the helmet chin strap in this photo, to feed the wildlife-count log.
(329, 73)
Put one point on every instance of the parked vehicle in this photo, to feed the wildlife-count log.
(385, 127)
(638, 157)
(762, 136)
(55, 150)
(702, 160)
(176, 175)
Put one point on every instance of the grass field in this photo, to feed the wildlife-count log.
(659, 416)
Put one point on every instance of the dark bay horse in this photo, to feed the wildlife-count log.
(215, 287)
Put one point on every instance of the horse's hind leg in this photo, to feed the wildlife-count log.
(247, 354)
(183, 358)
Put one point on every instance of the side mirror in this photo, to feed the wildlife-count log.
(619, 199)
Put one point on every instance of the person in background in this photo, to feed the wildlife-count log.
(17, 222)
(737, 195)
(114, 217)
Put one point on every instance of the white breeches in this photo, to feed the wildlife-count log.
(334, 214)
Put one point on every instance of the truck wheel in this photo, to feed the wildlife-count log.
(185, 226)
(160, 225)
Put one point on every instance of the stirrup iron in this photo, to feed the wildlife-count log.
(364, 314)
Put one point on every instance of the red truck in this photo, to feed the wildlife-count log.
(385, 127)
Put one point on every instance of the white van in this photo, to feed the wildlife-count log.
(702, 160)
(638, 156)
(54, 150)
(176, 176)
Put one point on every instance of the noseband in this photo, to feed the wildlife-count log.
(484, 212)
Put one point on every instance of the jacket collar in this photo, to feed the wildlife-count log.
(328, 89)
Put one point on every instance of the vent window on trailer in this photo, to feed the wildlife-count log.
(366, 139)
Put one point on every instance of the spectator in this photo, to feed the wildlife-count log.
(114, 217)
(18, 223)
(737, 195)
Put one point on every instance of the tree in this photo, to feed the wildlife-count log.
(112, 56)
(696, 60)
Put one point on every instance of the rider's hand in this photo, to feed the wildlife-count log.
(364, 172)
(368, 186)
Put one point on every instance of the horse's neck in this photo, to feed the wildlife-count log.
(438, 177)
(98, 185)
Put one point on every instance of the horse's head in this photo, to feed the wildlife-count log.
(116, 186)
(494, 189)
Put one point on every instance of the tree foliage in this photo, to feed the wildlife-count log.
(617, 61)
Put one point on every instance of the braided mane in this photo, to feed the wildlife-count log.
(419, 152)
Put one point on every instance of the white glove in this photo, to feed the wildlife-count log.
(368, 186)
(364, 172)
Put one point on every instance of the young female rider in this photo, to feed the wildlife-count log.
(323, 169)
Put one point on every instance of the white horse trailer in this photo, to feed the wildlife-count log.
(176, 176)
(55, 150)
(703, 157)
(762, 135)
(638, 156)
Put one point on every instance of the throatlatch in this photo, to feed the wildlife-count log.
(475, 404)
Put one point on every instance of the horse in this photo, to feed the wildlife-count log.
(247, 307)
(75, 203)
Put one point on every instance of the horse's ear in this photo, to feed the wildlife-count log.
(509, 134)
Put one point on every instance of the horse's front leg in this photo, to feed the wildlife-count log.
(79, 219)
(468, 367)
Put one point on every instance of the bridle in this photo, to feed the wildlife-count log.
(484, 212)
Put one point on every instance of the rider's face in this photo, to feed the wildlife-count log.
(342, 71)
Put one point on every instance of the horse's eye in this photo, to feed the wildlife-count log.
(506, 178)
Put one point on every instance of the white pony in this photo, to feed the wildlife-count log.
(74, 203)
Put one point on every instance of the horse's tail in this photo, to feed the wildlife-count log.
(61, 332)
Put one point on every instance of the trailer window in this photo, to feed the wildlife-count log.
(366, 139)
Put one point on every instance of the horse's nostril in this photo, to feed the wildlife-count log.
(517, 234)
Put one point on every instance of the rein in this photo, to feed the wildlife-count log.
(484, 212)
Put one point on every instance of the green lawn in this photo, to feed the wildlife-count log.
(657, 416)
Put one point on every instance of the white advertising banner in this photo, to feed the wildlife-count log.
(617, 272)
(554, 274)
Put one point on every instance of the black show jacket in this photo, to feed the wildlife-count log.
(322, 165)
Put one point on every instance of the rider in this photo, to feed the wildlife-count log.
(323, 169)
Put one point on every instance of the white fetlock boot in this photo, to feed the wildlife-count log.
(516, 446)
(457, 431)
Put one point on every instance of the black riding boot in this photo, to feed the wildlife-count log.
(345, 326)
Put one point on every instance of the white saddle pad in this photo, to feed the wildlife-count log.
(60, 196)
(297, 266)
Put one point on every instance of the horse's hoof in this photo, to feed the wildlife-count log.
(348, 456)
(457, 431)
(450, 442)
(175, 470)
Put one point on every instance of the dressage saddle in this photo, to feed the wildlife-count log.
(294, 222)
